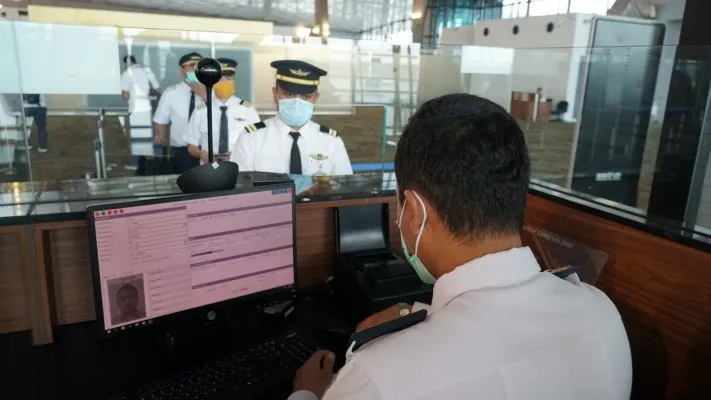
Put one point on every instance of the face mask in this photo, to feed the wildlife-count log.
(415, 261)
(295, 112)
(224, 89)
(190, 77)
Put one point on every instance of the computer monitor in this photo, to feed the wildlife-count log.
(169, 257)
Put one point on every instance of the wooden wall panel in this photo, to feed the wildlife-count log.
(14, 314)
(71, 270)
(663, 292)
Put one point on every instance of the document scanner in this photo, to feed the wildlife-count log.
(368, 276)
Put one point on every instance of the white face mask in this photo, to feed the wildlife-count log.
(415, 262)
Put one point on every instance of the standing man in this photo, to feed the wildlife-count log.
(290, 142)
(230, 116)
(175, 108)
(35, 106)
(137, 84)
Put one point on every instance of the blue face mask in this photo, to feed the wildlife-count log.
(415, 261)
(295, 112)
(190, 77)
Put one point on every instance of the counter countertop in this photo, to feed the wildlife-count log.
(67, 200)
(24, 203)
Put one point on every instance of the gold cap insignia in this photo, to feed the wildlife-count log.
(298, 72)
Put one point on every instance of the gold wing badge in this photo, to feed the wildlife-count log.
(298, 72)
(319, 157)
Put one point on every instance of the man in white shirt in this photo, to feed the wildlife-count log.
(498, 328)
(290, 142)
(175, 107)
(137, 83)
(230, 115)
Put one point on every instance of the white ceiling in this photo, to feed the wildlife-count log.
(345, 15)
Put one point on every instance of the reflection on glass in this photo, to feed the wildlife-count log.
(585, 132)
(554, 251)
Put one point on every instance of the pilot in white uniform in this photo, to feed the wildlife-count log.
(175, 107)
(498, 328)
(137, 83)
(290, 142)
(230, 116)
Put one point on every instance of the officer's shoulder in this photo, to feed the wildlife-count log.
(201, 106)
(245, 103)
(366, 336)
(328, 131)
(251, 128)
(170, 88)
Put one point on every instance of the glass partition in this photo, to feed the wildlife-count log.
(594, 117)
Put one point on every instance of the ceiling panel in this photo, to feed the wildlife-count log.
(345, 15)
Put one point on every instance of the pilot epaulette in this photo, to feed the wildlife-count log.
(255, 127)
(245, 103)
(201, 106)
(330, 132)
(360, 338)
(563, 272)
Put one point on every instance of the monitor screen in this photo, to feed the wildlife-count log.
(175, 255)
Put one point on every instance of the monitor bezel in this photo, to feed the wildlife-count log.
(191, 314)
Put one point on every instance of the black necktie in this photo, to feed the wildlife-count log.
(295, 161)
(192, 104)
(224, 132)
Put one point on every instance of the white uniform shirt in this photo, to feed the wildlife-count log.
(173, 108)
(239, 115)
(269, 149)
(498, 329)
(137, 81)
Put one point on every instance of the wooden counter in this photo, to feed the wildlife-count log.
(661, 287)
(58, 288)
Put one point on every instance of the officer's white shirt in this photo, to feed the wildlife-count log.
(269, 150)
(498, 329)
(238, 117)
(173, 108)
(137, 81)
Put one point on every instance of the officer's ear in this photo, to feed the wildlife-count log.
(274, 94)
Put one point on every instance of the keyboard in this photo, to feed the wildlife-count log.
(242, 375)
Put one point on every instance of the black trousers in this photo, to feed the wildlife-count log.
(182, 160)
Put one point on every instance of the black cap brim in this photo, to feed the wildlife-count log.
(296, 88)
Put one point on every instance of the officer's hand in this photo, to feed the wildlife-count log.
(378, 318)
(204, 157)
(316, 373)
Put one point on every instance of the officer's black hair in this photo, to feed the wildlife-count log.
(468, 157)
(132, 58)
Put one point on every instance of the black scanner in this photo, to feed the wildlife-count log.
(368, 275)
